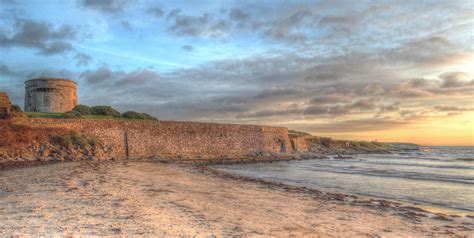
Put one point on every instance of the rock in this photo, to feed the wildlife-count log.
(45, 152)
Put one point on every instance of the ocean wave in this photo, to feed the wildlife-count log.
(465, 159)
(396, 174)
(417, 164)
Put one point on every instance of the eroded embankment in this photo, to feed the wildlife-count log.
(22, 145)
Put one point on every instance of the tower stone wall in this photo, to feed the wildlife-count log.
(50, 95)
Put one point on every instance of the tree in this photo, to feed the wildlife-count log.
(137, 115)
(82, 109)
(104, 111)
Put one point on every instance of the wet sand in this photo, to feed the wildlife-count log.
(155, 199)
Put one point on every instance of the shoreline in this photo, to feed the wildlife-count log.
(184, 199)
(355, 199)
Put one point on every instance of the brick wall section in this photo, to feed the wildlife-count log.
(178, 139)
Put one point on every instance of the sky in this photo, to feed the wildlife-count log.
(361, 70)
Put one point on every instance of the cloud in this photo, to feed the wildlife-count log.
(337, 21)
(156, 11)
(270, 113)
(415, 88)
(39, 35)
(126, 25)
(444, 108)
(187, 48)
(316, 110)
(363, 104)
(118, 80)
(353, 126)
(184, 25)
(391, 107)
(99, 75)
(450, 83)
(429, 51)
(107, 6)
(454, 80)
(5, 70)
(360, 105)
(238, 15)
(374, 88)
(82, 59)
(196, 26)
(330, 99)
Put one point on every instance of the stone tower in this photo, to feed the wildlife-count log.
(50, 95)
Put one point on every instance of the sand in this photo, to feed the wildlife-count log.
(155, 199)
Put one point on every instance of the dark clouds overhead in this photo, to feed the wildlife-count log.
(108, 6)
(42, 36)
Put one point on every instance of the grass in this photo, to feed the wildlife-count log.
(61, 114)
(45, 114)
(370, 145)
(298, 133)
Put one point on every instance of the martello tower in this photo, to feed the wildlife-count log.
(50, 95)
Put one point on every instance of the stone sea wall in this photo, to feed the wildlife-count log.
(139, 139)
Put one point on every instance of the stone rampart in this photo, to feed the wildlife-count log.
(137, 138)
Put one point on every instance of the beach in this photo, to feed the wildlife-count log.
(93, 198)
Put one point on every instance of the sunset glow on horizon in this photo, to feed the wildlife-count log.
(394, 71)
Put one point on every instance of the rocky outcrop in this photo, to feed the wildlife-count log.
(5, 107)
(325, 145)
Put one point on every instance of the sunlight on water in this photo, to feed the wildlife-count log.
(440, 178)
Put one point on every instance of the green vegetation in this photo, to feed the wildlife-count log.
(104, 111)
(96, 112)
(137, 115)
(298, 133)
(45, 114)
(72, 114)
(16, 108)
(82, 109)
(325, 141)
(370, 145)
(74, 138)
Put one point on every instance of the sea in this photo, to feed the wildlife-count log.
(438, 179)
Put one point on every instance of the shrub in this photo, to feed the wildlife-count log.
(65, 140)
(133, 115)
(93, 141)
(148, 116)
(16, 108)
(137, 115)
(104, 111)
(72, 114)
(76, 138)
(325, 141)
(82, 109)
